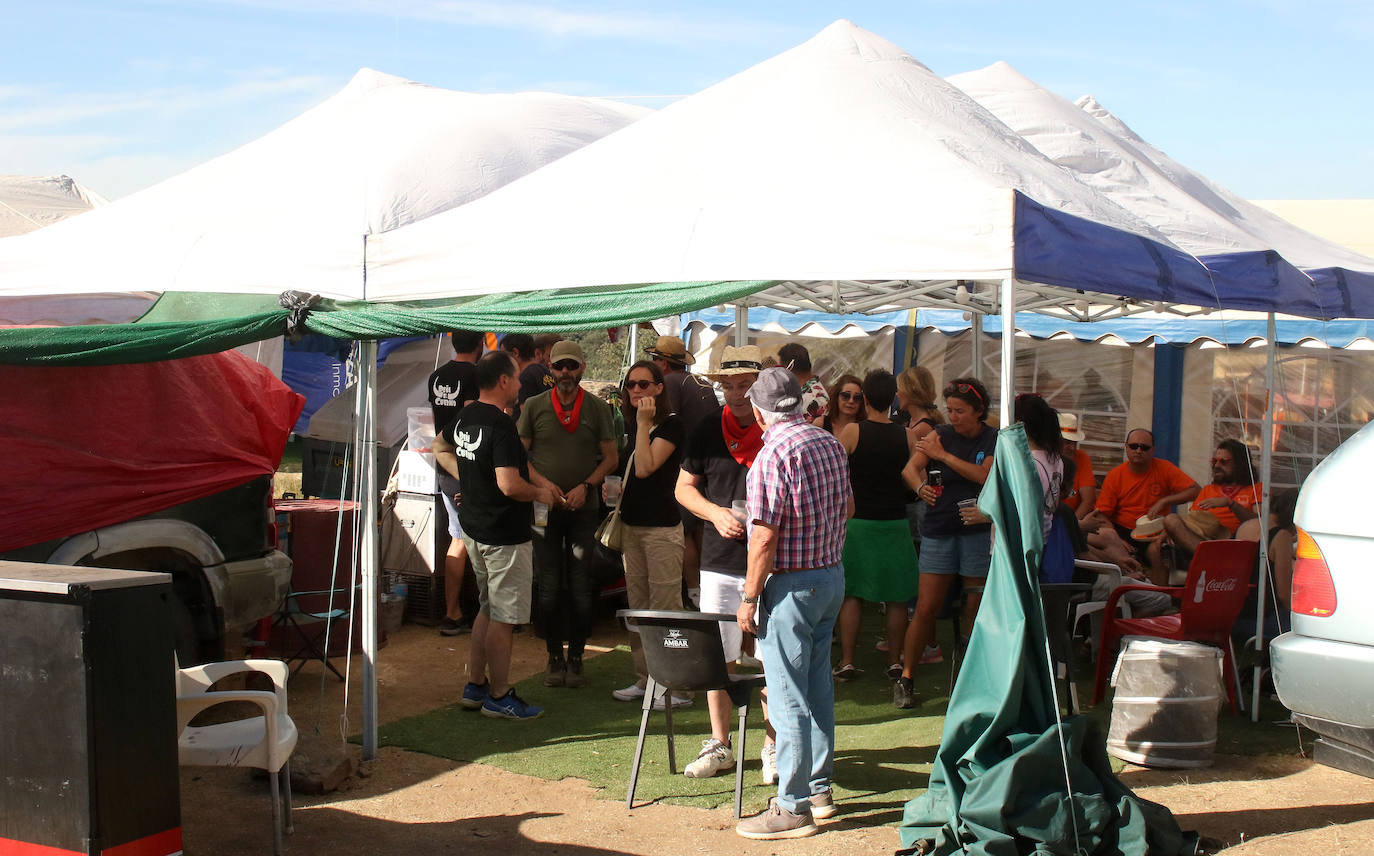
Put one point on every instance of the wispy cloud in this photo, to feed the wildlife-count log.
(546, 19)
(45, 111)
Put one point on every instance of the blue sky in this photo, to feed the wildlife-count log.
(1271, 98)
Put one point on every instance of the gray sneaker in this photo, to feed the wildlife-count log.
(777, 823)
(823, 805)
(715, 756)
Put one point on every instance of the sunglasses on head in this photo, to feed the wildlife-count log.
(852, 396)
(1139, 447)
(966, 388)
(638, 384)
(567, 365)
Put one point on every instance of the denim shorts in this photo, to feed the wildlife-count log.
(455, 530)
(967, 555)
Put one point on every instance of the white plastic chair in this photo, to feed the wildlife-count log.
(1087, 608)
(265, 741)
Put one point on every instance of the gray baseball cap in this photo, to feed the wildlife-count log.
(776, 391)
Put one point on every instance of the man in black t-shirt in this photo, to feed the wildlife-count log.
(451, 386)
(483, 450)
(714, 468)
(692, 398)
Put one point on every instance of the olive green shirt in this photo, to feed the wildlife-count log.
(564, 458)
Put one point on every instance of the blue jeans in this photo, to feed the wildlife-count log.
(795, 622)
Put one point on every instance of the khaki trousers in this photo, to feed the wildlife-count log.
(653, 575)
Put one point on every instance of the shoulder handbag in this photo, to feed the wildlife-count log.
(611, 533)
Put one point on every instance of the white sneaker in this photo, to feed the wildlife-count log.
(769, 756)
(634, 692)
(677, 702)
(715, 756)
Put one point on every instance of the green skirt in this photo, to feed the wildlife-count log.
(880, 561)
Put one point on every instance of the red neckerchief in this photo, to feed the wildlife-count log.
(569, 420)
(743, 443)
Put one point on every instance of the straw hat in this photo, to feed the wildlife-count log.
(1068, 427)
(1147, 528)
(746, 359)
(1205, 524)
(671, 348)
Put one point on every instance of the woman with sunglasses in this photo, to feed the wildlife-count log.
(846, 405)
(653, 542)
(879, 558)
(961, 452)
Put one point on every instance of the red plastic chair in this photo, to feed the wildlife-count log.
(1212, 597)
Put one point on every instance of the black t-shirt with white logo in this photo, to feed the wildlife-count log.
(484, 439)
(451, 386)
(722, 481)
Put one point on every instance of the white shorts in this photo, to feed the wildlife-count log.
(721, 592)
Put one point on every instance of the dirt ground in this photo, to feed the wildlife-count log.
(405, 802)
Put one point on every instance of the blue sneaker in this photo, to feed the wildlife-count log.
(510, 706)
(475, 694)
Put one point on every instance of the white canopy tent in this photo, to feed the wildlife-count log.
(29, 202)
(1236, 238)
(292, 210)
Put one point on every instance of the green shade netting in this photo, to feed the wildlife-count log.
(997, 786)
(187, 324)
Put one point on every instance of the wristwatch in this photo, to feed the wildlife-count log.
(749, 599)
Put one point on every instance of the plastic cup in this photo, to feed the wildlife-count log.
(613, 484)
(740, 508)
(968, 508)
(541, 514)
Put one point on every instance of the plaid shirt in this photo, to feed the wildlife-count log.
(800, 483)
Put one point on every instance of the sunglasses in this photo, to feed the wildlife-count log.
(852, 396)
(1139, 447)
(638, 384)
(567, 366)
(967, 389)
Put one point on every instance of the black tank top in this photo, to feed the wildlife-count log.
(875, 471)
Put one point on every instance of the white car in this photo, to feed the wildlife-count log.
(1324, 667)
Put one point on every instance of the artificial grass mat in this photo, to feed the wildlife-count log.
(882, 755)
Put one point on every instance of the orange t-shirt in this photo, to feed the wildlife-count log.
(1247, 495)
(1082, 477)
(1126, 497)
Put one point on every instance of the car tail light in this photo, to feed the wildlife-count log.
(1313, 591)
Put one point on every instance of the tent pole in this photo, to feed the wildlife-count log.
(741, 324)
(976, 329)
(634, 342)
(367, 542)
(1008, 387)
(1266, 473)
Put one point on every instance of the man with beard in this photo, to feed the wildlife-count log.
(481, 448)
(1232, 498)
(714, 468)
(572, 445)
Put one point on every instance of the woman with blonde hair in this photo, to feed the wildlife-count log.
(916, 399)
(846, 405)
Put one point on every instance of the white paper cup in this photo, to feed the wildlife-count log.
(613, 484)
(541, 514)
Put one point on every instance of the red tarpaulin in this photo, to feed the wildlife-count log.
(88, 446)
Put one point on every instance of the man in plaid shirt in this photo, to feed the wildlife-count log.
(799, 499)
